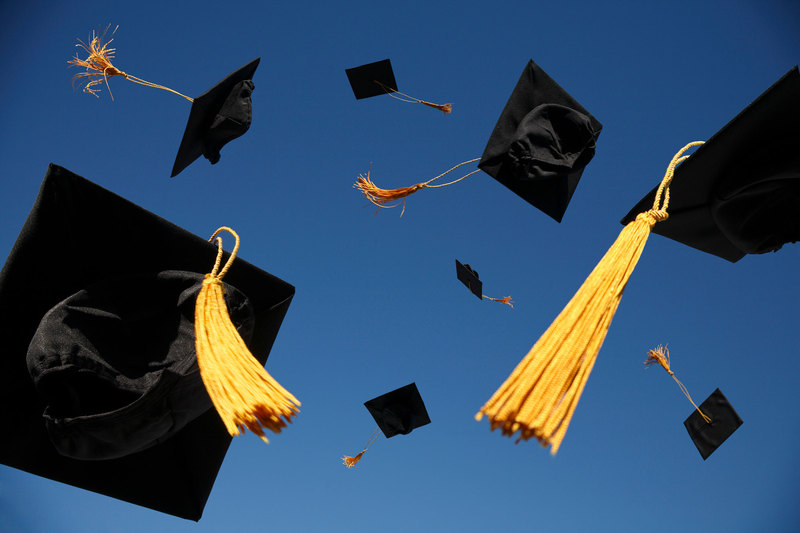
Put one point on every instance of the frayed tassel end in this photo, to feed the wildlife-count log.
(659, 356)
(444, 108)
(381, 197)
(507, 300)
(350, 462)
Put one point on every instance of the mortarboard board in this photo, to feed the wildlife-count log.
(541, 143)
(399, 412)
(218, 116)
(80, 239)
(739, 193)
(469, 277)
(539, 147)
(375, 79)
(708, 436)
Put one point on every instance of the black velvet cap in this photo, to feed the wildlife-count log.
(469, 277)
(541, 143)
(708, 436)
(218, 116)
(739, 193)
(362, 79)
(399, 412)
(84, 257)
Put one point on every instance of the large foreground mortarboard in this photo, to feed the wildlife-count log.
(76, 277)
(739, 193)
(541, 143)
(539, 147)
(218, 116)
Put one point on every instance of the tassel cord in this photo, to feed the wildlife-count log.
(444, 108)
(660, 356)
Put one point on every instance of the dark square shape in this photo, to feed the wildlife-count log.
(541, 143)
(739, 193)
(218, 116)
(362, 79)
(78, 234)
(399, 412)
(469, 277)
(724, 421)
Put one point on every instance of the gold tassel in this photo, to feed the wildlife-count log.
(444, 108)
(660, 356)
(349, 461)
(98, 65)
(381, 197)
(244, 394)
(507, 300)
(539, 397)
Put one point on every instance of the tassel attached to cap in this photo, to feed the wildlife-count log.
(539, 397)
(507, 300)
(444, 108)
(98, 65)
(349, 461)
(381, 197)
(244, 394)
(660, 356)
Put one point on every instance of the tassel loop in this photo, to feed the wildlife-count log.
(244, 394)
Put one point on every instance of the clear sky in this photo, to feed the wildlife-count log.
(378, 304)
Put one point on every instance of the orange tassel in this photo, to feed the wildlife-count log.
(244, 394)
(444, 108)
(349, 461)
(507, 300)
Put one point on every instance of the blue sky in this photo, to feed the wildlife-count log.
(377, 303)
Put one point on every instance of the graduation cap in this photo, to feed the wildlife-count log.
(708, 435)
(739, 193)
(218, 116)
(98, 374)
(539, 147)
(375, 79)
(470, 279)
(711, 423)
(398, 412)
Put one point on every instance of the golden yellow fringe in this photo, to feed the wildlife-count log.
(349, 461)
(381, 197)
(660, 356)
(444, 108)
(539, 397)
(242, 391)
(98, 65)
(507, 300)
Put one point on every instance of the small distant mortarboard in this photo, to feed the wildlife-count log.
(375, 79)
(739, 193)
(398, 412)
(218, 116)
(99, 375)
(709, 435)
(539, 148)
(470, 279)
(712, 422)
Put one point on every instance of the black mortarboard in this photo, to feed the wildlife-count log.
(541, 143)
(399, 412)
(708, 436)
(218, 116)
(739, 193)
(469, 277)
(84, 250)
(372, 79)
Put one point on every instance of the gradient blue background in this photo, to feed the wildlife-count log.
(378, 304)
